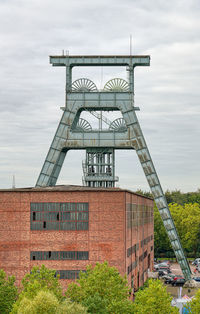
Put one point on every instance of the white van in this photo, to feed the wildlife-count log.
(196, 261)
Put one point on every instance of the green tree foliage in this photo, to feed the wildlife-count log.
(194, 305)
(187, 221)
(40, 278)
(102, 290)
(181, 198)
(8, 292)
(68, 307)
(161, 240)
(45, 302)
(176, 196)
(45, 277)
(154, 299)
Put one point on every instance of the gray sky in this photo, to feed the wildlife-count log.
(167, 92)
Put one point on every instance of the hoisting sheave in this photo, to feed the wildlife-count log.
(75, 133)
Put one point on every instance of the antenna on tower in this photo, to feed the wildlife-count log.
(130, 45)
(13, 182)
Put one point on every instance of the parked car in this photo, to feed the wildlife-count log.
(168, 278)
(161, 265)
(197, 269)
(178, 281)
(162, 273)
(196, 278)
(196, 261)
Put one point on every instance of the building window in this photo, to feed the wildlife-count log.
(68, 255)
(131, 250)
(33, 216)
(69, 274)
(59, 216)
(131, 267)
(82, 255)
(59, 255)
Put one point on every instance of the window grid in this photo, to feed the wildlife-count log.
(59, 216)
(138, 214)
(132, 249)
(146, 240)
(69, 274)
(59, 255)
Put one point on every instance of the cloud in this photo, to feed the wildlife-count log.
(167, 92)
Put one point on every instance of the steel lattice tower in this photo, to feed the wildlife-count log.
(73, 132)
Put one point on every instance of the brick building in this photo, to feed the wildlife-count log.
(68, 227)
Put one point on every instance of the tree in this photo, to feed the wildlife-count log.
(68, 307)
(39, 279)
(194, 305)
(161, 240)
(45, 302)
(102, 290)
(182, 198)
(187, 221)
(154, 299)
(8, 292)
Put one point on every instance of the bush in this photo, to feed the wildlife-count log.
(39, 279)
(45, 302)
(8, 292)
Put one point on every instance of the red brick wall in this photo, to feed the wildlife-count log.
(139, 228)
(107, 239)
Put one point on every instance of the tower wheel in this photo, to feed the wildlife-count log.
(118, 125)
(83, 125)
(83, 85)
(117, 85)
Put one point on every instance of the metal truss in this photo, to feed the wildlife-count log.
(126, 133)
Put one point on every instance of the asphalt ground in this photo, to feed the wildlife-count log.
(175, 269)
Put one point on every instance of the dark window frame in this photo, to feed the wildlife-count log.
(59, 216)
(59, 255)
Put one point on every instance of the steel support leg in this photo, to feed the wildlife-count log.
(56, 155)
(139, 144)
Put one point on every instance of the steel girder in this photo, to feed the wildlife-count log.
(67, 137)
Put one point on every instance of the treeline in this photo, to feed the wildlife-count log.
(185, 210)
(177, 196)
(101, 289)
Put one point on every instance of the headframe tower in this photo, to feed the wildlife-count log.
(73, 132)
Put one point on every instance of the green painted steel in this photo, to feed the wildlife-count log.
(122, 133)
(99, 167)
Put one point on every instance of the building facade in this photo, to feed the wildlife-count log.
(68, 227)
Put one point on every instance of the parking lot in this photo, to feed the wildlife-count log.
(175, 269)
(175, 290)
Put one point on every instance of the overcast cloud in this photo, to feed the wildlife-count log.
(167, 92)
